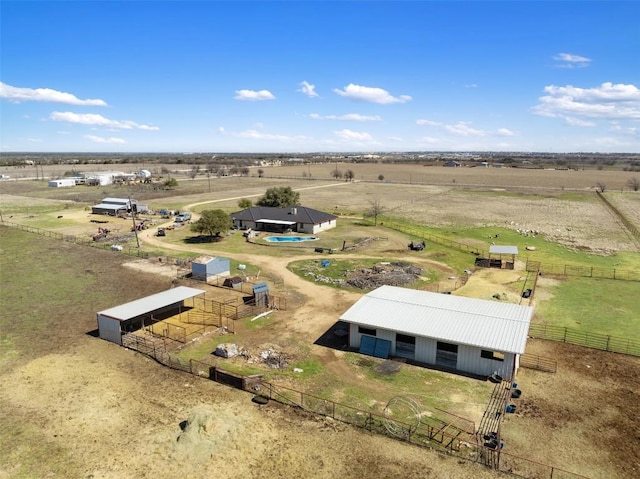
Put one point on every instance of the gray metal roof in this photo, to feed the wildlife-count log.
(151, 303)
(294, 214)
(500, 249)
(476, 322)
(109, 206)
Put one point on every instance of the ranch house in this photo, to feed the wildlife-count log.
(296, 219)
(453, 333)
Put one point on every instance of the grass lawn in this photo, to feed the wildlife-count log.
(601, 306)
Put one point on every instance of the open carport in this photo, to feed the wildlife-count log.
(113, 323)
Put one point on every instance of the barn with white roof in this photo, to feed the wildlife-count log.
(113, 323)
(454, 333)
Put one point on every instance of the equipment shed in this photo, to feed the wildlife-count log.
(128, 317)
(455, 333)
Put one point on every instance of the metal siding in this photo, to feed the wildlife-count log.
(109, 329)
(476, 322)
(426, 350)
(354, 336)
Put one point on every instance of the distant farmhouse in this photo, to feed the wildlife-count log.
(299, 219)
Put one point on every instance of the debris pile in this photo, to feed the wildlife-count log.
(391, 274)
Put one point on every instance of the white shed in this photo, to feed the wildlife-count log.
(450, 332)
(62, 182)
(128, 317)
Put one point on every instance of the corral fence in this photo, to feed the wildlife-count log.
(441, 431)
(554, 269)
(423, 235)
(539, 363)
(531, 266)
(583, 338)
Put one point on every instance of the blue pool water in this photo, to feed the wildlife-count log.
(290, 239)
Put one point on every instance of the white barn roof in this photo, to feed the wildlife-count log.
(476, 322)
(500, 249)
(151, 303)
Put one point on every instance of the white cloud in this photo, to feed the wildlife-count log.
(252, 95)
(308, 89)
(568, 60)
(347, 117)
(428, 123)
(19, 95)
(395, 138)
(259, 135)
(99, 139)
(370, 94)
(34, 140)
(98, 120)
(611, 101)
(505, 132)
(471, 85)
(463, 128)
(578, 122)
(353, 135)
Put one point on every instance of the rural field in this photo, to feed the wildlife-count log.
(77, 406)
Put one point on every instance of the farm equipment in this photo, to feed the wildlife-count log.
(161, 232)
(413, 246)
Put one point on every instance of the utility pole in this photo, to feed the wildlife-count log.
(133, 217)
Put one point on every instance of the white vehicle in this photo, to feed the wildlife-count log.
(4, 177)
(183, 218)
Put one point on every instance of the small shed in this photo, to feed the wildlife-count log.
(113, 323)
(62, 183)
(210, 269)
(498, 252)
(261, 294)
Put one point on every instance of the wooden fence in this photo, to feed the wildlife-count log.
(584, 338)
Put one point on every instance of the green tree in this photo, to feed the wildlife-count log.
(245, 203)
(212, 223)
(171, 183)
(280, 197)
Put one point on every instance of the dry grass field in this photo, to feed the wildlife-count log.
(76, 406)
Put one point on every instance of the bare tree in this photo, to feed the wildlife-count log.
(195, 169)
(375, 209)
(634, 183)
(349, 175)
(601, 187)
(260, 173)
(337, 174)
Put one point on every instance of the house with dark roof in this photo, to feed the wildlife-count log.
(299, 219)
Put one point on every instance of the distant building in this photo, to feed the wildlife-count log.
(62, 183)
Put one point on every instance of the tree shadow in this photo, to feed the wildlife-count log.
(202, 239)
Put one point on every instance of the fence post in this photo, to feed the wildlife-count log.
(608, 341)
(564, 339)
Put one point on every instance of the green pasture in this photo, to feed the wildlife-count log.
(603, 306)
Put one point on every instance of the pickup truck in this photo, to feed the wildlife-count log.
(183, 218)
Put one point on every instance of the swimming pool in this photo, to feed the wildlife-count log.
(290, 239)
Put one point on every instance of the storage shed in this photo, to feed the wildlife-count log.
(129, 317)
(113, 206)
(450, 332)
(62, 183)
(210, 269)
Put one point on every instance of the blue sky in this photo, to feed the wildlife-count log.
(309, 76)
